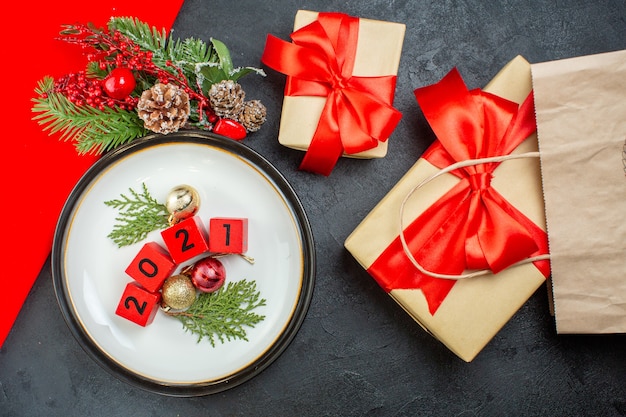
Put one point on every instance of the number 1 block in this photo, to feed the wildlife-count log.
(138, 305)
(186, 239)
(151, 266)
(228, 235)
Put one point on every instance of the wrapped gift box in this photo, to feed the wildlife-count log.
(581, 126)
(365, 55)
(466, 313)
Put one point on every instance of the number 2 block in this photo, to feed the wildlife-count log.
(186, 239)
(138, 305)
(151, 266)
(228, 235)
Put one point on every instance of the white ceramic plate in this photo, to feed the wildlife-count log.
(233, 181)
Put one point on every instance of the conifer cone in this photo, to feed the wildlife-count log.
(227, 98)
(164, 108)
(253, 115)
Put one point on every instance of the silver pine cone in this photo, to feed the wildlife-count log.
(253, 115)
(164, 108)
(227, 98)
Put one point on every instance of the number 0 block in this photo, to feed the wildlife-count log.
(138, 305)
(151, 266)
(186, 239)
(228, 235)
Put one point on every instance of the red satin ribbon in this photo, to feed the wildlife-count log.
(358, 112)
(472, 226)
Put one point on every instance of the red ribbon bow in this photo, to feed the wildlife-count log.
(472, 226)
(358, 112)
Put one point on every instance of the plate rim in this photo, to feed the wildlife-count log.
(303, 227)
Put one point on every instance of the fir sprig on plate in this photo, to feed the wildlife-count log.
(223, 315)
(139, 214)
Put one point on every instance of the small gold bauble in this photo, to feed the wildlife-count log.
(182, 202)
(178, 292)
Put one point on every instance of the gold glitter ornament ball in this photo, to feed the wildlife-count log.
(182, 202)
(178, 292)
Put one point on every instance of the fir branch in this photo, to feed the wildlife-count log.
(93, 130)
(193, 54)
(202, 63)
(109, 131)
(179, 58)
(164, 48)
(147, 37)
(140, 214)
(224, 314)
(196, 50)
(94, 70)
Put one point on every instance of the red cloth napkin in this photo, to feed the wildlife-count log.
(39, 171)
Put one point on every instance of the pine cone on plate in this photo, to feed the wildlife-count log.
(253, 115)
(227, 99)
(164, 108)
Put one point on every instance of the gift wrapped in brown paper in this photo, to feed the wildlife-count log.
(340, 86)
(459, 242)
(581, 125)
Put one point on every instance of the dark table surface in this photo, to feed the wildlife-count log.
(357, 352)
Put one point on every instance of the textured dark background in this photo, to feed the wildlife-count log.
(357, 353)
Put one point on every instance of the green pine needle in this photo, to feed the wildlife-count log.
(92, 130)
(185, 54)
(149, 38)
(224, 314)
(139, 215)
(202, 63)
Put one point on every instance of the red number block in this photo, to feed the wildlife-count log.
(138, 305)
(151, 266)
(228, 235)
(186, 239)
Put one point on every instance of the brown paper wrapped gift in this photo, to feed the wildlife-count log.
(476, 308)
(581, 125)
(368, 51)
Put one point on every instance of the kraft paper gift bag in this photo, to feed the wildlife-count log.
(581, 126)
